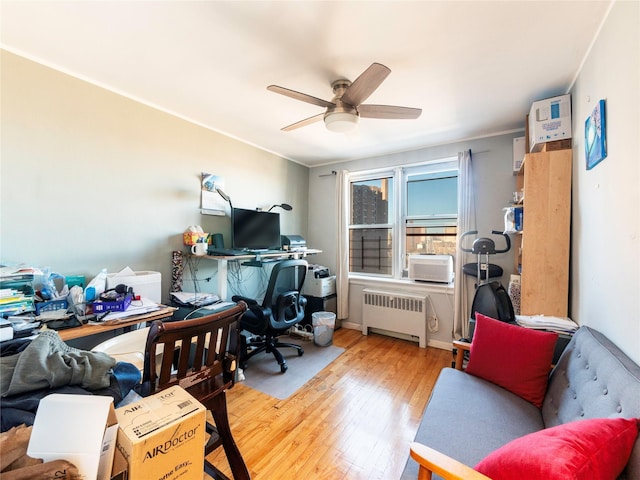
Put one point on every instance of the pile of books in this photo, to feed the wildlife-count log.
(16, 292)
(13, 302)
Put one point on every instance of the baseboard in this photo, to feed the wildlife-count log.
(440, 344)
(351, 325)
(430, 343)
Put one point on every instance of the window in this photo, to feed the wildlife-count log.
(371, 226)
(399, 212)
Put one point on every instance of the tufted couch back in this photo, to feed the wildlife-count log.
(594, 379)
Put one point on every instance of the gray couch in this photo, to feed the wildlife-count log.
(466, 417)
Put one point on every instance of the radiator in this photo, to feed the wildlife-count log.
(395, 312)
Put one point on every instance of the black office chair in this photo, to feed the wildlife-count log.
(283, 306)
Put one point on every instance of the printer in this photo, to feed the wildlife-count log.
(318, 282)
(293, 242)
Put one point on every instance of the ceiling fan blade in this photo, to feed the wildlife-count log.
(303, 97)
(303, 123)
(365, 84)
(388, 111)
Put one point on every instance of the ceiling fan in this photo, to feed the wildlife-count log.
(345, 109)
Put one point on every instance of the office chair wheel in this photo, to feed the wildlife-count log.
(283, 367)
(300, 352)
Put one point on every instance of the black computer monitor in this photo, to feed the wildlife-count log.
(255, 229)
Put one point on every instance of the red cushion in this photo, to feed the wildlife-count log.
(587, 449)
(515, 358)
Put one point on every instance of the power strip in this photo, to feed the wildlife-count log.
(301, 332)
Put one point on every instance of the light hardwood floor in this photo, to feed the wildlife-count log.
(354, 420)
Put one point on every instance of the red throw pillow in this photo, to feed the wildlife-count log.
(515, 358)
(586, 449)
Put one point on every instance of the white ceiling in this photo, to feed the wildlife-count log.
(474, 67)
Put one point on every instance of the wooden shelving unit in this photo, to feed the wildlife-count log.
(542, 248)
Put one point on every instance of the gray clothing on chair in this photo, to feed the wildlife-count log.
(49, 362)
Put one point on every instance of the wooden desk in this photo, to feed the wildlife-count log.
(223, 263)
(92, 329)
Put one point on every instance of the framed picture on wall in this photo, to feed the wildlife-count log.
(595, 136)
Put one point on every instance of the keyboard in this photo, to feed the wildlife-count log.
(227, 252)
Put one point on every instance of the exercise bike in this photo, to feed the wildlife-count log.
(491, 298)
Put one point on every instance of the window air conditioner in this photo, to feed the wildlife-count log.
(431, 268)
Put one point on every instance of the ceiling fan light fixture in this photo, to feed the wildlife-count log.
(341, 122)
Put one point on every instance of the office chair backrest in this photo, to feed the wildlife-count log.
(194, 351)
(283, 293)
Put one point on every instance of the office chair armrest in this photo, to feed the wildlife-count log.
(239, 298)
(287, 299)
(258, 310)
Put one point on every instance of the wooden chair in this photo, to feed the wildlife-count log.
(206, 370)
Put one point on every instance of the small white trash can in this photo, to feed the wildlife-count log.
(323, 326)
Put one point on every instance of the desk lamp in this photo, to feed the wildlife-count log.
(225, 197)
(284, 206)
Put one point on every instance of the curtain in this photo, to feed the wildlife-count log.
(466, 222)
(342, 242)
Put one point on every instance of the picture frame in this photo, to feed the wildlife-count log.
(595, 136)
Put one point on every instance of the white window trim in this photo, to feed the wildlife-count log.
(399, 176)
(433, 166)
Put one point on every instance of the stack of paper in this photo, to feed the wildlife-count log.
(542, 322)
(196, 299)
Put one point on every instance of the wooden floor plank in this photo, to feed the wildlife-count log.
(352, 421)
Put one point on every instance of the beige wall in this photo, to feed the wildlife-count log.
(92, 180)
(605, 246)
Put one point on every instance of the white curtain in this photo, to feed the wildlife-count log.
(466, 222)
(342, 242)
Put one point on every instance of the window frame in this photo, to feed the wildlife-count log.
(367, 175)
(448, 164)
(399, 176)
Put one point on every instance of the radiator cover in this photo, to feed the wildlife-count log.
(395, 312)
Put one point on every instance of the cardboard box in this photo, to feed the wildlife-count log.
(549, 120)
(81, 429)
(144, 283)
(162, 436)
(120, 469)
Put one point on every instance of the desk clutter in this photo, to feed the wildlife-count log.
(91, 415)
(32, 298)
(94, 446)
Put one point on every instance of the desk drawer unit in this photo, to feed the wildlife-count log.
(395, 312)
